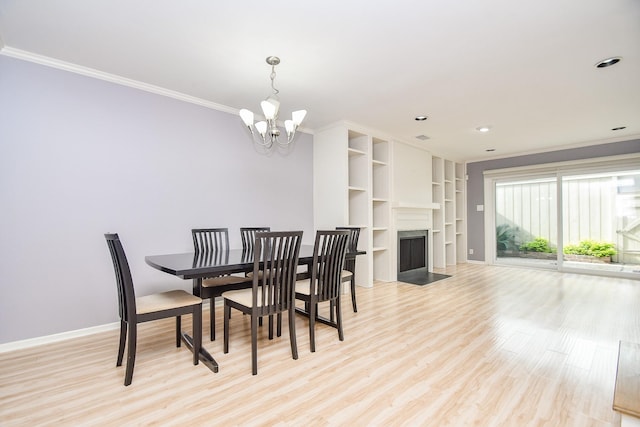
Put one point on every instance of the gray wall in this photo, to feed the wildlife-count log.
(475, 183)
(80, 157)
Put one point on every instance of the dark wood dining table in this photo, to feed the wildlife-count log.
(197, 266)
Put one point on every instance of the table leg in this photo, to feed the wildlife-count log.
(205, 357)
(197, 286)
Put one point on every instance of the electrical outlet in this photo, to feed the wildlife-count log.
(470, 251)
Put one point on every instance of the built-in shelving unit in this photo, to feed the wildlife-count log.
(461, 233)
(437, 194)
(366, 177)
(380, 207)
(448, 233)
(354, 169)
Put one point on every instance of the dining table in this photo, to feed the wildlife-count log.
(196, 266)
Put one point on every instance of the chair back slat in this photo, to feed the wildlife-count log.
(352, 246)
(248, 236)
(354, 236)
(328, 261)
(124, 281)
(274, 270)
(210, 239)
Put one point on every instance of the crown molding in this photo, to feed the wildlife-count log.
(101, 75)
(113, 78)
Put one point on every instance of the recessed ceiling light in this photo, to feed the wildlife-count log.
(490, 149)
(421, 118)
(608, 62)
(619, 128)
(422, 137)
(483, 129)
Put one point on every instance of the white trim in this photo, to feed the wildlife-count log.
(101, 75)
(571, 146)
(48, 339)
(113, 78)
(489, 221)
(623, 160)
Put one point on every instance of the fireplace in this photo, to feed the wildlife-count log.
(413, 253)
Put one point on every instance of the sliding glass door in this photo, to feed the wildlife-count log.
(601, 216)
(561, 219)
(526, 221)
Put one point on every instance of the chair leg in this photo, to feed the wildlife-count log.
(197, 332)
(353, 293)
(339, 319)
(270, 326)
(254, 343)
(212, 316)
(312, 325)
(131, 354)
(279, 329)
(178, 331)
(123, 340)
(227, 315)
(292, 331)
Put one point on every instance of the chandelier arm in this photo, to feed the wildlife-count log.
(263, 141)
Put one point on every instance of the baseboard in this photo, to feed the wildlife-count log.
(48, 339)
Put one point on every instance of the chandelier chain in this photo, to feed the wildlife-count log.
(273, 78)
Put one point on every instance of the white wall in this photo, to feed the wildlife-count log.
(411, 175)
(80, 157)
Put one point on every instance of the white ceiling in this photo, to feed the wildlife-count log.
(525, 68)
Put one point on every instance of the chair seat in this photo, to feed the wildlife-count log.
(165, 301)
(224, 280)
(243, 296)
(346, 275)
(250, 274)
(303, 287)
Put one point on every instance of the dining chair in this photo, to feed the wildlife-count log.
(212, 242)
(349, 272)
(325, 282)
(276, 256)
(134, 310)
(248, 236)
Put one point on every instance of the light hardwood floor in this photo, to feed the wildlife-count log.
(490, 346)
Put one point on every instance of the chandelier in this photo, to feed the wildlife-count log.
(267, 129)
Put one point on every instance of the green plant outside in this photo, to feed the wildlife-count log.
(592, 248)
(505, 237)
(585, 247)
(539, 244)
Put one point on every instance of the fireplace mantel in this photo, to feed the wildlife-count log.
(411, 216)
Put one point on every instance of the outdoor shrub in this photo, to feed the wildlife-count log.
(505, 237)
(539, 244)
(591, 247)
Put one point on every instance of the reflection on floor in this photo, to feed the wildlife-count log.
(532, 262)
